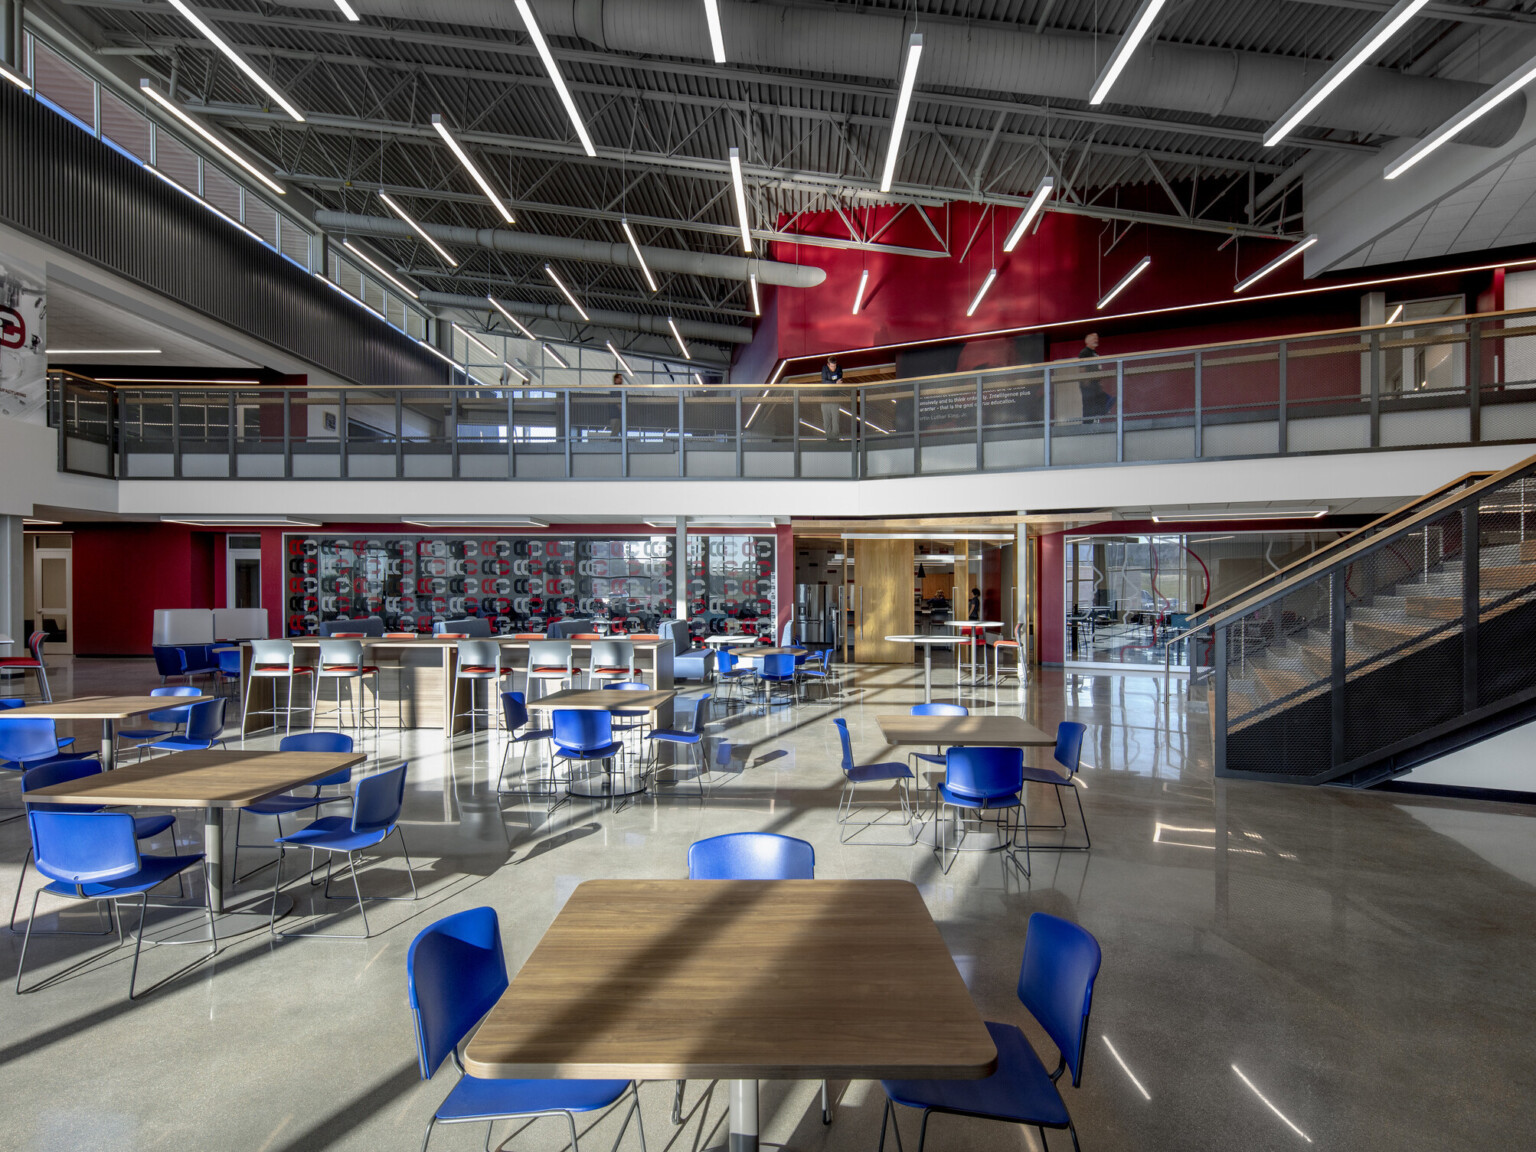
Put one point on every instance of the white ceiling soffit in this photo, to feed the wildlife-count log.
(1459, 199)
(80, 321)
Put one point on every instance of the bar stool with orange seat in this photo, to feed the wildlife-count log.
(33, 663)
(611, 660)
(549, 661)
(342, 659)
(479, 662)
(275, 660)
(1016, 646)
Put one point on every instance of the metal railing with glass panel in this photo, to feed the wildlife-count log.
(1366, 663)
(1455, 381)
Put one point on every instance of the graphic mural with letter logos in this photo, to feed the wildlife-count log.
(23, 341)
(521, 583)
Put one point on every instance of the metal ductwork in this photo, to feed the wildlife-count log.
(992, 57)
(591, 251)
(629, 321)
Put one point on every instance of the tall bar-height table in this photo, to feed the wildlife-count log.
(928, 643)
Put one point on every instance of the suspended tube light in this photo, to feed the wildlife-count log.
(678, 336)
(566, 292)
(716, 33)
(903, 105)
(858, 297)
(1293, 251)
(235, 58)
(516, 323)
(741, 200)
(981, 292)
(634, 246)
(542, 47)
(419, 230)
(377, 267)
(176, 110)
(1476, 110)
(1141, 24)
(757, 304)
(1033, 209)
(623, 363)
(470, 166)
(1125, 282)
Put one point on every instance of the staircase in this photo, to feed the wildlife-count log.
(1415, 640)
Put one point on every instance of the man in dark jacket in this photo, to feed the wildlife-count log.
(1097, 400)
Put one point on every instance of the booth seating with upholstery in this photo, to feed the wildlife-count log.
(364, 626)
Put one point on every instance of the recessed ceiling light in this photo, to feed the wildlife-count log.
(476, 522)
(239, 521)
(1235, 514)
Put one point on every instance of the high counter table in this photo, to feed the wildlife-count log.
(927, 642)
(426, 687)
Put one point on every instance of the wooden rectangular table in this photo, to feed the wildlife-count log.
(629, 780)
(211, 780)
(965, 731)
(744, 980)
(109, 710)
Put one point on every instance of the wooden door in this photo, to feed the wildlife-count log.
(883, 577)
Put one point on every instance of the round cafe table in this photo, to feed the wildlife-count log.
(927, 644)
(972, 638)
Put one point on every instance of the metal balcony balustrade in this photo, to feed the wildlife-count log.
(1452, 381)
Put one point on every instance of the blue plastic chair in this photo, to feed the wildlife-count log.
(984, 780)
(729, 671)
(817, 668)
(280, 806)
(455, 973)
(1069, 754)
(751, 856)
(1061, 963)
(95, 856)
(205, 728)
(375, 815)
(685, 737)
(60, 772)
(849, 818)
(27, 741)
(167, 720)
(773, 670)
(629, 719)
(514, 716)
(936, 757)
(585, 735)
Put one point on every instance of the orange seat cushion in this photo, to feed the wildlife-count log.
(298, 669)
(547, 671)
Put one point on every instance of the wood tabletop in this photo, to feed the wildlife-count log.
(105, 707)
(739, 979)
(604, 700)
(929, 639)
(985, 731)
(756, 652)
(211, 779)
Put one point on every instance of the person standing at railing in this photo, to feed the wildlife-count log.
(831, 373)
(1097, 400)
(616, 398)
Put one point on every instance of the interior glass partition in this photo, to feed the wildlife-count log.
(768, 433)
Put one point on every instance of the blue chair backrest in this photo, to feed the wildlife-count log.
(12, 702)
(985, 772)
(376, 806)
(1061, 962)
(455, 972)
(628, 686)
(751, 856)
(173, 715)
(842, 732)
(514, 710)
(581, 730)
(726, 661)
(26, 738)
(320, 742)
(205, 721)
(59, 772)
(699, 712)
(940, 710)
(169, 661)
(1069, 744)
(84, 847)
(777, 667)
(229, 660)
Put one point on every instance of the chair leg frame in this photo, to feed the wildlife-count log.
(277, 877)
(889, 1114)
(848, 827)
(1087, 845)
(1011, 819)
(632, 1112)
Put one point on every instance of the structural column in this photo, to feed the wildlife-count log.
(12, 576)
(680, 569)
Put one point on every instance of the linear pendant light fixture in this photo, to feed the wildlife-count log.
(1141, 24)
(634, 245)
(1033, 209)
(549, 350)
(1294, 250)
(476, 341)
(623, 363)
(980, 292)
(15, 78)
(678, 336)
(903, 105)
(858, 297)
(419, 230)
(741, 200)
(757, 304)
(1476, 110)
(235, 58)
(1365, 49)
(148, 89)
(516, 323)
(377, 267)
(1125, 282)
(103, 351)
(566, 292)
(542, 46)
(469, 166)
(348, 11)
(716, 34)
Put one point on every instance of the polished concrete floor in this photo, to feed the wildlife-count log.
(1283, 967)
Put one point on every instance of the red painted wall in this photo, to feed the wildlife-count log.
(123, 572)
(1053, 276)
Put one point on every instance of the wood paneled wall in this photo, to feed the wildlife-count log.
(883, 572)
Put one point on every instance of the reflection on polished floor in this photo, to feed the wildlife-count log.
(1284, 967)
